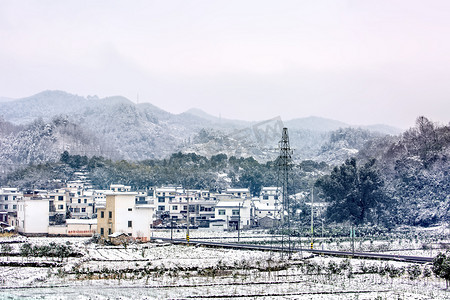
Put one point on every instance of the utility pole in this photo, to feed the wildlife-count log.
(352, 235)
(322, 227)
(322, 232)
(312, 218)
(188, 217)
(239, 223)
(171, 229)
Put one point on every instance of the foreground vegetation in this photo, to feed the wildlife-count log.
(162, 271)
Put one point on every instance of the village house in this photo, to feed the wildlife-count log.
(238, 193)
(8, 205)
(233, 214)
(121, 214)
(271, 196)
(33, 213)
(201, 207)
(57, 206)
(81, 204)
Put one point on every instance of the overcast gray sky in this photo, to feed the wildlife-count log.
(361, 62)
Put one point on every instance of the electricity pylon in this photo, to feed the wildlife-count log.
(284, 168)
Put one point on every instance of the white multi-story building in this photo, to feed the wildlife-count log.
(8, 204)
(269, 204)
(57, 206)
(271, 196)
(201, 207)
(81, 203)
(99, 198)
(33, 214)
(243, 193)
(120, 188)
(233, 214)
(164, 197)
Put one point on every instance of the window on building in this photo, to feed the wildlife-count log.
(221, 212)
(85, 200)
(265, 197)
(174, 207)
(185, 207)
(60, 206)
(14, 206)
(130, 209)
(102, 231)
(83, 209)
(79, 200)
(77, 209)
(161, 199)
(275, 197)
(235, 212)
(102, 214)
(130, 224)
(60, 198)
(161, 207)
(109, 231)
(110, 214)
(6, 206)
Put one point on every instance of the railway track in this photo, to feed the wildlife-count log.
(365, 255)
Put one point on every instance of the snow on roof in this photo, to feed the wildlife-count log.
(237, 190)
(228, 203)
(81, 221)
(262, 206)
(149, 206)
(117, 234)
(112, 193)
(270, 188)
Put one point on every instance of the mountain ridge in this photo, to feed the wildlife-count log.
(144, 131)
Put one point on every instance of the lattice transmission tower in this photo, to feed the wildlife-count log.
(284, 167)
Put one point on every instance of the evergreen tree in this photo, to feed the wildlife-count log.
(352, 191)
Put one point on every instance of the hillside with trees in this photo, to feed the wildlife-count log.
(44, 141)
(415, 168)
(394, 180)
(129, 131)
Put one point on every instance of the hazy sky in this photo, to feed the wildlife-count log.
(360, 62)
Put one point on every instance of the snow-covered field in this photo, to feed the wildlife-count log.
(165, 271)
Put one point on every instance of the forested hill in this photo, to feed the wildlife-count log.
(392, 180)
(416, 170)
(40, 142)
(126, 130)
(395, 180)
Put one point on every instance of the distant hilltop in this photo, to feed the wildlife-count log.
(117, 128)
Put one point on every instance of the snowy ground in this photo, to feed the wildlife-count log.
(164, 271)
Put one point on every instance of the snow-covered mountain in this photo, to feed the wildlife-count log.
(144, 131)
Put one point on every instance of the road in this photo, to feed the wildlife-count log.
(366, 255)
